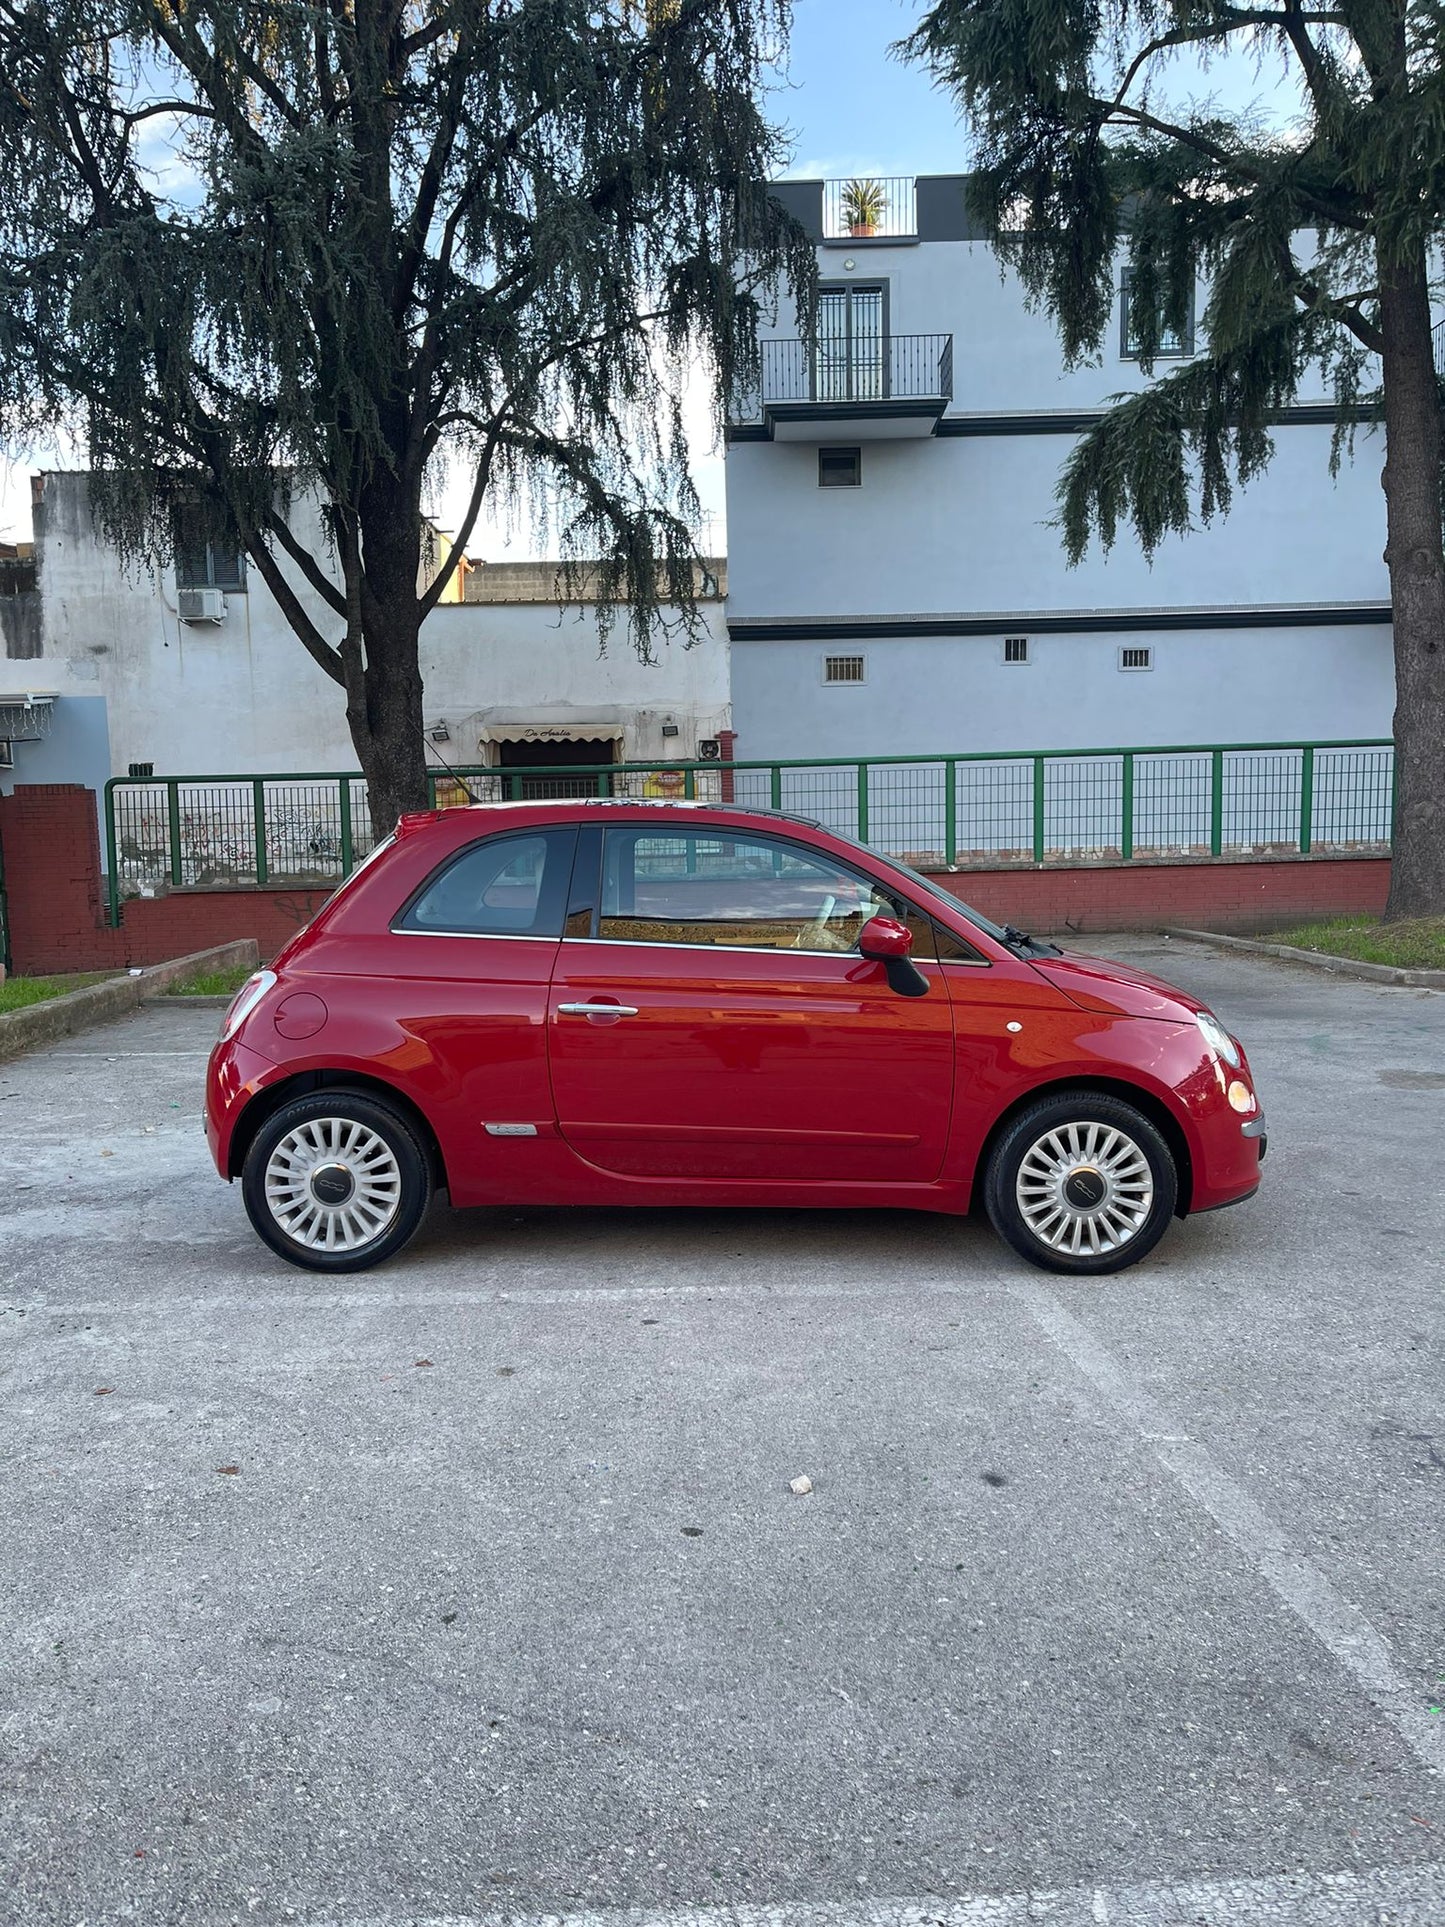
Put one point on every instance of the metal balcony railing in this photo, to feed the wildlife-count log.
(859, 368)
(870, 207)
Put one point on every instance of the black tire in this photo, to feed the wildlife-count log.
(389, 1188)
(1071, 1197)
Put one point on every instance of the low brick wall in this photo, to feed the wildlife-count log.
(156, 927)
(1215, 893)
(53, 879)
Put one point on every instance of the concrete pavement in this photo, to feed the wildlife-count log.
(473, 1587)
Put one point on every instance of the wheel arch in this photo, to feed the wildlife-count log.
(267, 1102)
(1148, 1102)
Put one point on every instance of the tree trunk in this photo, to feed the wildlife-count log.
(384, 706)
(1416, 560)
(388, 731)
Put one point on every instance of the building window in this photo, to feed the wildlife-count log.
(1170, 341)
(840, 468)
(1015, 648)
(845, 669)
(208, 551)
(1136, 658)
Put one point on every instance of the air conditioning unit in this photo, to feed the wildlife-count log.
(201, 605)
(709, 749)
(7, 753)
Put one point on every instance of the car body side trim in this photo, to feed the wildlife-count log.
(480, 936)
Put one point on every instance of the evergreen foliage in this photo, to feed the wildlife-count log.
(1316, 240)
(255, 248)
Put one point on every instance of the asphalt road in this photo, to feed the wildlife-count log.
(473, 1587)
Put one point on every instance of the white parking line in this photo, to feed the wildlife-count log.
(98, 1052)
(1296, 1581)
(1401, 1896)
(548, 1297)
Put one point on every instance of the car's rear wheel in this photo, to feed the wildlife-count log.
(1081, 1182)
(336, 1181)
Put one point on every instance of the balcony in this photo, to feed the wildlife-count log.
(882, 387)
(870, 207)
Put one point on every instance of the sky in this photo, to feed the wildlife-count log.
(850, 108)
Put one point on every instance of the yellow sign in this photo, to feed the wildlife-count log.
(664, 782)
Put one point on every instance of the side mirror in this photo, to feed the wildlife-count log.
(886, 941)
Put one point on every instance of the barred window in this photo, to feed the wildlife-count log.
(1171, 342)
(845, 669)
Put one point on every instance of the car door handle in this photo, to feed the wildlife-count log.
(598, 1010)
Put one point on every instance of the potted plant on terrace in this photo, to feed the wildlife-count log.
(863, 205)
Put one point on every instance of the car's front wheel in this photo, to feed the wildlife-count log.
(336, 1181)
(1081, 1182)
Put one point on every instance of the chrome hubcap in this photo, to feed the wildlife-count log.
(332, 1184)
(1084, 1189)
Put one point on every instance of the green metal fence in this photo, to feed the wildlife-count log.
(969, 810)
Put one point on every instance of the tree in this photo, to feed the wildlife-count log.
(405, 236)
(1316, 240)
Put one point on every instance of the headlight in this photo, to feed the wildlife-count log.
(246, 1000)
(1218, 1038)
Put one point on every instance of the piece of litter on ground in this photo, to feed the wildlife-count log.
(801, 1486)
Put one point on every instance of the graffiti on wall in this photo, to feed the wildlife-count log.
(215, 839)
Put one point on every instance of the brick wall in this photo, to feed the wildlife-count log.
(1210, 893)
(50, 848)
(50, 853)
(52, 869)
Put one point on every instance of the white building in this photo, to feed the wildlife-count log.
(895, 586)
(204, 676)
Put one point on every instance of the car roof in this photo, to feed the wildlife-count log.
(564, 809)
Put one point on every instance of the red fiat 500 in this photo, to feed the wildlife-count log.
(631, 1003)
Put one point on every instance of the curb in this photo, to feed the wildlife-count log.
(37, 1024)
(1317, 960)
(196, 1003)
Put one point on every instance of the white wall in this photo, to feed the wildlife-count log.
(491, 665)
(962, 524)
(244, 695)
(954, 694)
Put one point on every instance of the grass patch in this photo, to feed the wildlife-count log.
(1417, 944)
(18, 993)
(213, 983)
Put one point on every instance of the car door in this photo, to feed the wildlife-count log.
(469, 958)
(711, 1017)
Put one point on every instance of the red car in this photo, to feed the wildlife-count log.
(629, 1003)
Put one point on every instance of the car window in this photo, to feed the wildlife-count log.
(504, 886)
(755, 892)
